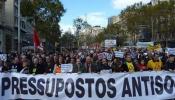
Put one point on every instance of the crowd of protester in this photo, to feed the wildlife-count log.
(89, 61)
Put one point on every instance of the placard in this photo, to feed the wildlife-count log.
(119, 54)
(110, 43)
(65, 68)
(3, 57)
(171, 51)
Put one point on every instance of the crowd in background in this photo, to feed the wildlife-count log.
(89, 61)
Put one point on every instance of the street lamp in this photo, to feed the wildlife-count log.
(19, 28)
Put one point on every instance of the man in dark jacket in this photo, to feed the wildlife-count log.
(105, 67)
(49, 65)
(170, 64)
(15, 66)
(78, 67)
(36, 68)
(89, 66)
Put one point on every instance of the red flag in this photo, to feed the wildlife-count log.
(36, 40)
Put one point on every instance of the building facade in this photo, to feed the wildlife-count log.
(5, 31)
(2, 32)
(96, 30)
(113, 20)
(154, 2)
(11, 12)
(92, 31)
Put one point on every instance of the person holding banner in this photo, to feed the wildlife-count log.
(155, 64)
(34, 68)
(170, 64)
(105, 67)
(42, 66)
(58, 62)
(117, 65)
(142, 65)
(75, 69)
(25, 65)
(49, 64)
(129, 65)
(89, 66)
(1, 65)
(78, 67)
(15, 66)
(5, 67)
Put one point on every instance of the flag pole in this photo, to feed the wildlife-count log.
(34, 45)
(19, 28)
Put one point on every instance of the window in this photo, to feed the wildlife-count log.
(22, 24)
(16, 2)
(16, 11)
(16, 21)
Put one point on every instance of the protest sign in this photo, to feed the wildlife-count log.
(171, 51)
(119, 54)
(144, 44)
(109, 56)
(100, 56)
(110, 43)
(65, 68)
(3, 57)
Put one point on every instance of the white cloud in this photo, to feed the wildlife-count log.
(121, 4)
(95, 18)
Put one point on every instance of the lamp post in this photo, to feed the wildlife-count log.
(19, 34)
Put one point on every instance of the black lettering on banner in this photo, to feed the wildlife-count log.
(126, 88)
(89, 81)
(32, 90)
(23, 85)
(5, 85)
(152, 85)
(71, 93)
(52, 87)
(170, 89)
(102, 82)
(59, 88)
(112, 88)
(158, 83)
(136, 86)
(81, 91)
(40, 86)
(145, 79)
(15, 83)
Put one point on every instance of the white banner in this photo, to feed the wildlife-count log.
(144, 44)
(110, 43)
(116, 86)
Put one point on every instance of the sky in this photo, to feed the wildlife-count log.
(96, 12)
